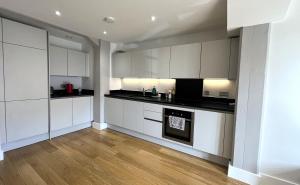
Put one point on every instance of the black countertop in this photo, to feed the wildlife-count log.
(206, 103)
(63, 94)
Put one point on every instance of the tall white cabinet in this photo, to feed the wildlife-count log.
(25, 105)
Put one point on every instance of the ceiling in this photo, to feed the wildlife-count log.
(132, 17)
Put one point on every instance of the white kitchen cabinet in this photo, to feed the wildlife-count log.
(228, 138)
(152, 128)
(185, 61)
(92, 108)
(26, 118)
(121, 65)
(81, 110)
(234, 58)
(161, 62)
(58, 61)
(76, 63)
(215, 59)
(0, 29)
(26, 74)
(87, 65)
(1, 74)
(141, 64)
(61, 113)
(133, 115)
(24, 35)
(2, 123)
(209, 132)
(113, 111)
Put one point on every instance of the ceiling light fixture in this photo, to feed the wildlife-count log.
(153, 18)
(109, 20)
(57, 13)
(104, 32)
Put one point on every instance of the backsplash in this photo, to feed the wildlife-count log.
(57, 81)
(219, 88)
(162, 85)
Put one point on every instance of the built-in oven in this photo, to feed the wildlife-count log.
(178, 125)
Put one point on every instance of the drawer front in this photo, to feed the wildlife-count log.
(152, 128)
(153, 107)
(153, 115)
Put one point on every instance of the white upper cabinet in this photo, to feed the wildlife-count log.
(24, 35)
(209, 132)
(113, 111)
(61, 113)
(161, 62)
(76, 63)
(26, 74)
(1, 75)
(234, 58)
(25, 119)
(0, 29)
(81, 110)
(133, 115)
(121, 65)
(58, 61)
(215, 59)
(2, 124)
(185, 61)
(141, 63)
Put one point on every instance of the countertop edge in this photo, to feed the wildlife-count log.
(65, 97)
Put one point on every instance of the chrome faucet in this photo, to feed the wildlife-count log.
(144, 91)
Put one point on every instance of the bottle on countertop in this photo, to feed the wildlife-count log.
(170, 94)
(154, 91)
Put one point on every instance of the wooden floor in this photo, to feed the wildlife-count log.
(105, 157)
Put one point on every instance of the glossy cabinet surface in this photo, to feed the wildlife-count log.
(133, 115)
(24, 35)
(26, 119)
(58, 60)
(81, 110)
(185, 61)
(113, 111)
(76, 63)
(121, 65)
(141, 63)
(26, 74)
(2, 123)
(1, 74)
(215, 59)
(161, 62)
(61, 115)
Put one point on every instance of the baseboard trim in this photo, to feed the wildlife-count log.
(243, 175)
(271, 180)
(170, 144)
(70, 129)
(24, 142)
(99, 126)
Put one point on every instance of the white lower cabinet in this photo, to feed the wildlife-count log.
(113, 111)
(133, 115)
(81, 110)
(61, 113)
(213, 132)
(152, 128)
(2, 123)
(26, 118)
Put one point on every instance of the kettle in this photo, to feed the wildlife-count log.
(69, 88)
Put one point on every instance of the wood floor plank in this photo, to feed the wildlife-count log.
(106, 157)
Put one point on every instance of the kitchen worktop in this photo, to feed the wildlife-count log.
(207, 103)
(62, 93)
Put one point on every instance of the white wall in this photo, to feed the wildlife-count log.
(280, 149)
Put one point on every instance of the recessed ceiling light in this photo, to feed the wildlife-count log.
(104, 32)
(153, 18)
(57, 13)
(109, 20)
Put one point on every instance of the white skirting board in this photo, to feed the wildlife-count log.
(70, 129)
(99, 126)
(256, 179)
(173, 145)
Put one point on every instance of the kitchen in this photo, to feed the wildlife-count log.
(181, 96)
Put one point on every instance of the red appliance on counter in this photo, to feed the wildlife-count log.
(69, 88)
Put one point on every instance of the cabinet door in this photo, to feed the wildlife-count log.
(26, 73)
(58, 61)
(185, 61)
(234, 58)
(113, 111)
(209, 132)
(133, 115)
(81, 110)
(121, 65)
(2, 124)
(1, 74)
(25, 119)
(161, 62)
(152, 128)
(76, 63)
(141, 63)
(215, 59)
(61, 113)
(228, 138)
(24, 35)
